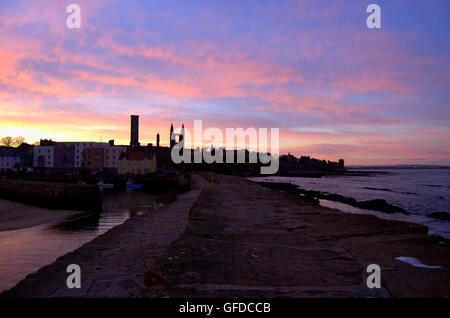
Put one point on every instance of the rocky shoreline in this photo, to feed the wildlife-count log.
(230, 237)
(440, 216)
(374, 205)
(313, 196)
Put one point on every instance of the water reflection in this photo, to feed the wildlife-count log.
(26, 250)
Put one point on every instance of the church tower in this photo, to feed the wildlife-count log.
(172, 142)
(181, 138)
(182, 134)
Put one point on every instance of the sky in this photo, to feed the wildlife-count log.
(313, 69)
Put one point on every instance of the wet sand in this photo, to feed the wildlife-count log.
(15, 216)
(230, 237)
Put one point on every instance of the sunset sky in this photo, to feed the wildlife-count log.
(313, 69)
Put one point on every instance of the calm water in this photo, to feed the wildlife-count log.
(419, 191)
(25, 251)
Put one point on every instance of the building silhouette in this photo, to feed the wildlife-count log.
(100, 157)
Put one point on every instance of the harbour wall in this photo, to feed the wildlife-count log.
(52, 195)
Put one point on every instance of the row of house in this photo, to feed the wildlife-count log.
(72, 157)
(93, 157)
(75, 157)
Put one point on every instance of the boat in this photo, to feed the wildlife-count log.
(132, 186)
(103, 185)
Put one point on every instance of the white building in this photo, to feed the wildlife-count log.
(79, 149)
(44, 157)
(111, 154)
(8, 161)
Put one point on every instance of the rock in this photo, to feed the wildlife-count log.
(379, 189)
(440, 216)
(340, 198)
(281, 186)
(313, 196)
(380, 205)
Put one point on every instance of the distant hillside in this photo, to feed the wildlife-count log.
(399, 167)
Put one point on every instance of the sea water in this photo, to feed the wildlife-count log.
(418, 191)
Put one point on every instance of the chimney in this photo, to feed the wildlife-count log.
(134, 131)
